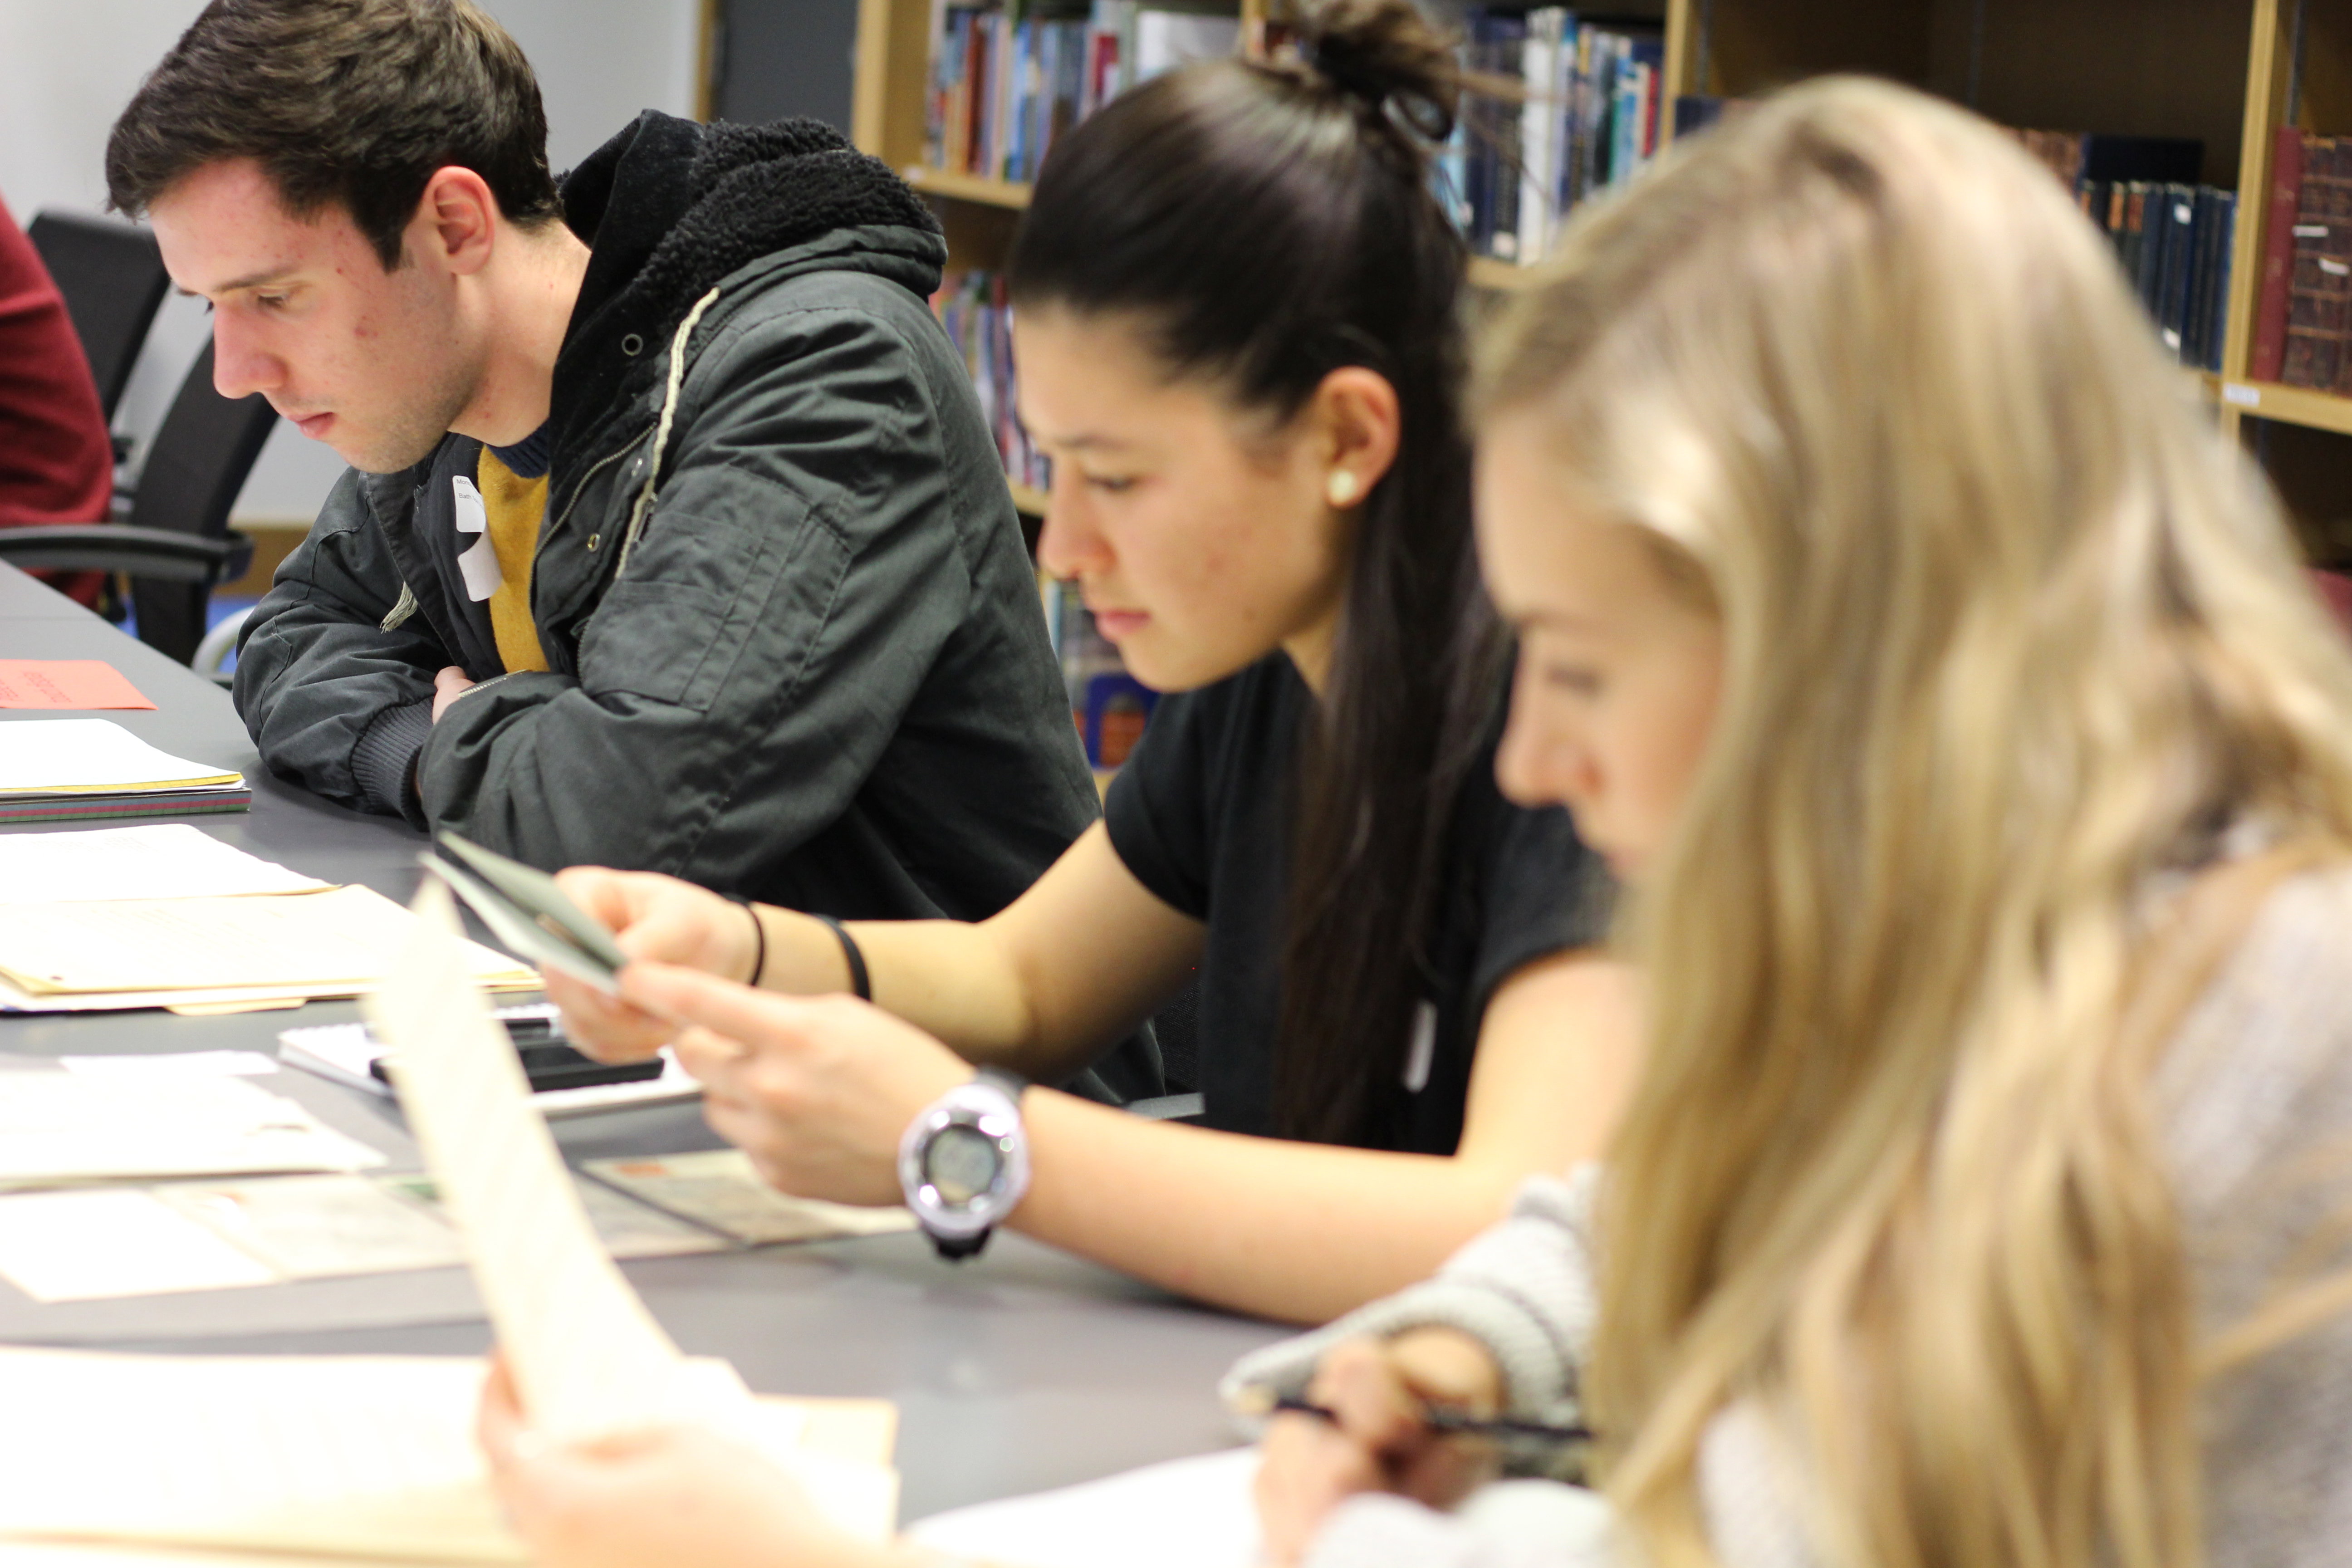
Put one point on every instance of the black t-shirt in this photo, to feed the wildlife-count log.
(1199, 817)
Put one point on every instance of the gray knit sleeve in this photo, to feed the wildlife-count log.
(2256, 1097)
(1524, 1289)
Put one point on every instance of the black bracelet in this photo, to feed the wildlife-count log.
(850, 952)
(759, 932)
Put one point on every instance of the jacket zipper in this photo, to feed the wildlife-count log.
(582, 488)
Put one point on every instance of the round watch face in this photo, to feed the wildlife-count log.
(961, 1162)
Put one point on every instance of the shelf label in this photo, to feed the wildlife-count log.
(2245, 396)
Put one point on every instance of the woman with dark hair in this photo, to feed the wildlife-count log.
(1238, 338)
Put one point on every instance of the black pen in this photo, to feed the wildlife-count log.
(1454, 1423)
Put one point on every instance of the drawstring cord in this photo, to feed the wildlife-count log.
(661, 432)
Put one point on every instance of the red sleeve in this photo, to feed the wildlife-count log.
(55, 463)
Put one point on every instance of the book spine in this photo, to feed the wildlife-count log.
(2315, 301)
(1510, 50)
(2179, 257)
(2197, 337)
(2285, 193)
(2148, 201)
(974, 100)
(1535, 121)
(2224, 259)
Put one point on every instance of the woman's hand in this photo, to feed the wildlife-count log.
(1378, 1439)
(817, 1090)
(675, 1495)
(651, 917)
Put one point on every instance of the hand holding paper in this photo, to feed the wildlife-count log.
(682, 1494)
(588, 1361)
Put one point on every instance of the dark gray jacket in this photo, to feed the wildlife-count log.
(795, 644)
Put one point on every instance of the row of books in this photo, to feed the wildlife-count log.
(1586, 117)
(2303, 315)
(979, 319)
(2170, 234)
(1007, 81)
(2173, 241)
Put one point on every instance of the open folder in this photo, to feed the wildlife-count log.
(372, 1456)
(164, 916)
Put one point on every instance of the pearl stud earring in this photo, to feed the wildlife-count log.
(1341, 488)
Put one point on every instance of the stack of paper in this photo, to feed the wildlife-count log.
(62, 1129)
(163, 916)
(59, 768)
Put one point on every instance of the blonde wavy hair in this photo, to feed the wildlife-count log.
(2008, 630)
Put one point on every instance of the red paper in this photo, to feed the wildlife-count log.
(65, 683)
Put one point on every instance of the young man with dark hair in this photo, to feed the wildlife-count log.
(674, 538)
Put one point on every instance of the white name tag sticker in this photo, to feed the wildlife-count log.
(479, 564)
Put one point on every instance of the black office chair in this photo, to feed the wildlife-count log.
(112, 278)
(176, 542)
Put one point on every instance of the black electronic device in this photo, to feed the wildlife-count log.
(550, 1063)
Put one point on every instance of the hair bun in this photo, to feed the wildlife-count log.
(1385, 53)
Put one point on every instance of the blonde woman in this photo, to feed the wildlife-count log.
(1982, 766)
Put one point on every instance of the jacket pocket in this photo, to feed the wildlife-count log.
(649, 640)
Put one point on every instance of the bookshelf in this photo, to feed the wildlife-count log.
(2226, 72)
(956, 186)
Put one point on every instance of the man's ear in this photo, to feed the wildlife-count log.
(456, 221)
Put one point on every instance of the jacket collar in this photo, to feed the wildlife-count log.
(668, 208)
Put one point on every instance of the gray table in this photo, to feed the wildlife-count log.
(1023, 1370)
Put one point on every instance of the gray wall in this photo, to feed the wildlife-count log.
(67, 67)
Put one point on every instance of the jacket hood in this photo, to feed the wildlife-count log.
(669, 207)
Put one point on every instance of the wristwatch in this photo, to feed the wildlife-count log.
(964, 1162)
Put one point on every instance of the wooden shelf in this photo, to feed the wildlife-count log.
(1485, 272)
(1024, 499)
(2232, 71)
(967, 187)
(2288, 405)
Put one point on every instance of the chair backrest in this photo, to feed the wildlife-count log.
(112, 278)
(195, 465)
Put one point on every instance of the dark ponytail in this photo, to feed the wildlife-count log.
(1268, 223)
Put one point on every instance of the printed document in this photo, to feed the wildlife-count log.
(158, 860)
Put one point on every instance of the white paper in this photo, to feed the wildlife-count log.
(63, 1128)
(91, 1246)
(369, 1455)
(1186, 1513)
(589, 1359)
(317, 1453)
(173, 1065)
(48, 757)
(479, 564)
(154, 860)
